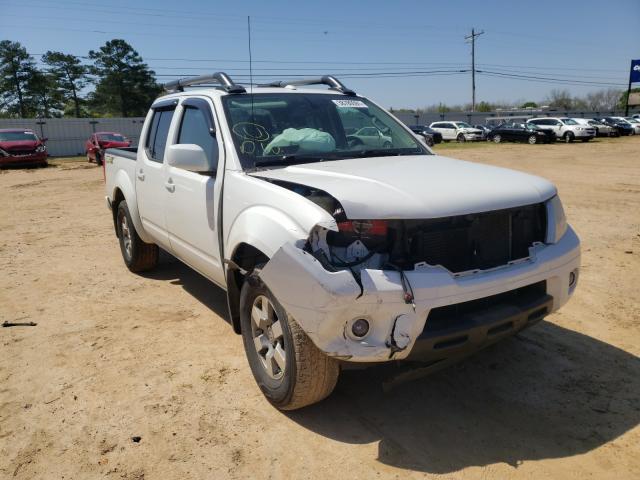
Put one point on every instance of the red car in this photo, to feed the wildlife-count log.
(99, 141)
(21, 146)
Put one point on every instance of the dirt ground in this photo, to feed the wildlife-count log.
(116, 356)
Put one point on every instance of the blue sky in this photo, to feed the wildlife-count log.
(573, 41)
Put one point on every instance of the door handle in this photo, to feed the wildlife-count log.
(169, 185)
(141, 175)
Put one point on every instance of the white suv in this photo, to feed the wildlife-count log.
(565, 128)
(460, 131)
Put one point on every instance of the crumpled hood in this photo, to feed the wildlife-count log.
(413, 187)
(471, 130)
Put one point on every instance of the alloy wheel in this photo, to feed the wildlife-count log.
(268, 339)
(126, 236)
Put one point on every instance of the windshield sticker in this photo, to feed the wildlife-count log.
(350, 104)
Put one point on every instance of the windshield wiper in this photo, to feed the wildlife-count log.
(289, 160)
(385, 152)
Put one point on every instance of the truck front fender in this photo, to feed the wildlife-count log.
(124, 185)
(265, 228)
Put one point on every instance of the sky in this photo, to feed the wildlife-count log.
(403, 54)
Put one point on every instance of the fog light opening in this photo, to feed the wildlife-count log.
(360, 327)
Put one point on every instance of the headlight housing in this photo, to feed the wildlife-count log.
(41, 148)
(556, 220)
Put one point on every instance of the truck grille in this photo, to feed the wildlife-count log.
(477, 241)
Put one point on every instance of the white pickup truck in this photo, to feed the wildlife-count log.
(332, 249)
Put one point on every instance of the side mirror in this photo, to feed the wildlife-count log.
(188, 156)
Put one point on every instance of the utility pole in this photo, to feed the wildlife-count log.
(472, 38)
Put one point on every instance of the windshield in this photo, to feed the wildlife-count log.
(569, 121)
(286, 128)
(111, 137)
(17, 136)
(463, 125)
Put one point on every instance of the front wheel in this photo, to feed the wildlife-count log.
(532, 140)
(461, 138)
(289, 369)
(497, 138)
(138, 256)
(429, 141)
(568, 137)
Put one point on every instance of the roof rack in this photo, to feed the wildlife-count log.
(330, 81)
(220, 77)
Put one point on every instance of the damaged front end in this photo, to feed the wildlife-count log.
(365, 290)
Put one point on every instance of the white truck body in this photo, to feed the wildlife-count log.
(210, 220)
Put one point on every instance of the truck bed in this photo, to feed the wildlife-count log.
(125, 152)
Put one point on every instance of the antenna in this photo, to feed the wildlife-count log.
(250, 68)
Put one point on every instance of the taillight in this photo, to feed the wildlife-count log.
(364, 228)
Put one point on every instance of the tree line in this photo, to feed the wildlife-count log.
(123, 85)
(605, 100)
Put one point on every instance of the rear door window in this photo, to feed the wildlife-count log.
(156, 142)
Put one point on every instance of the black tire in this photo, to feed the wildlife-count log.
(98, 159)
(138, 256)
(569, 137)
(532, 140)
(497, 138)
(429, 141)
(461, 138)
(309, 375)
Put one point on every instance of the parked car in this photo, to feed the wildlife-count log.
(623, 128)
(460, 131)
(22, 147)
(635, 123)
(484, 129)
(431, 137)
(100, 141)
(332, 253)
(601, 129)
(370, 136)
(565, 128)
(636, 116)
(521, 132)
(625, 121)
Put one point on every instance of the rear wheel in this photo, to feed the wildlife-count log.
(532, 140)
(461, 138)
(429, 140)
(497, 138)
(289, 369)
(138, 256)
(569, 137)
